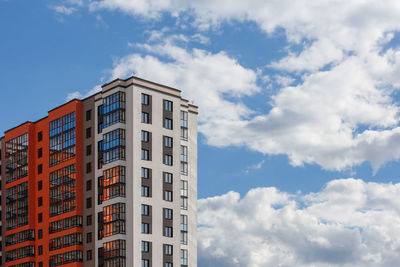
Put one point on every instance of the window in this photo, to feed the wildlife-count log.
(40, 250)
(145, 154)
(168, 160)
(183, 238)
(89, 132)
(145, 191)
(184, 203)
(145, 117)
(167, 141)
(145, 263)
(16, 158)
(184, 154)
(40, 153)
(184, 221)
(145, 228)
(62, 190)
(89, 220)
(168, 124)
(112, 111)
(40, 136)
(168, 195)
(111, 220)
(88, 115)
(89, 255)
(168, 264)
(145, 136)
(145, 173)
(40, 169)
(167, 105)
(184, 257)
(40, 233)
(88, 202)
(62, 139)
(40, 201)
(184, 134)
(184, 188)
(88, 237)
(145, 210)
(40, 217)
(168, 214)
(88, 167)
(112, 183)
(114, 253)
(167, 177)
(40, 185)
(17, 206)
(145, 99)
(89, 185)
(145, 246)
(88, 150)
(113, 146)
(168, 231)
(41, 264)
(168, 250)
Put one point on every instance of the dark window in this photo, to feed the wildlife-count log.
(168, 160)
(145, 117)
(88, 237)
(145, 136)
(40, 217)
(40, 201)
(145, 210)
(88, 150)
(88, 132)
(145, 154)
(167, 141)
(113, 146)
(168, 123)
(88, 167)
(145, 173)
(167, 177)
(40, 136)
(40, 185)
(167, 105)
(40, 234)
(89, 220)
(40, 249)
(40, 152)
(145, 99)
(89, 255)
(88, 185)
(41, 264)
(88, 202)
(88, 115)
(40, 169)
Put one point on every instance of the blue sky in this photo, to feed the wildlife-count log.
(293, 97)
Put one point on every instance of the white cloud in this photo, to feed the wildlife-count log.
(64, 10)
(204, 77)
(79, 95)
(348, 223)
(333, 104)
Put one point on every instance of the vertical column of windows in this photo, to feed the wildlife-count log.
(184, 125)
(184, 195)
(184, 229)
(112, 184)
(112, 111)
(62, 139)
(17, 206)
(62, 190)
(184, 160)
(111, 220)
(16, 152)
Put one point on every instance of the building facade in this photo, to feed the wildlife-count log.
(110, 180)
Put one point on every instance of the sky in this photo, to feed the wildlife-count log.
(299, 137)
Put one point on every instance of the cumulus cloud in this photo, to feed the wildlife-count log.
(79, 95)
(347, 223)
(333, 104)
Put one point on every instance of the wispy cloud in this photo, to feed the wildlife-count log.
(256, 166)
(79, 95)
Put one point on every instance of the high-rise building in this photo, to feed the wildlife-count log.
(110, 180)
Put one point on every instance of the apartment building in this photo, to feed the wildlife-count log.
(110, 180)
